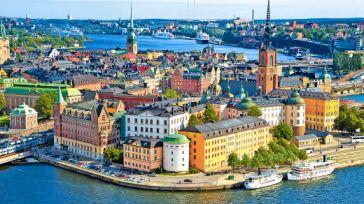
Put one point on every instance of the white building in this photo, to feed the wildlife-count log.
(155, 122)
(176, 153)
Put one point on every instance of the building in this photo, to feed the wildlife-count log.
(155, 121)
(143, 154)
(295, 113)
(23, 117)
(268, 70)
(86, 128)
(321, 110)
(29, 93)
(190, 82)
(275, 111)
(4, 45)
(212, 143)
(131, 42)
(310, 141)
(176, 153)
(86, 82)
(8, 82)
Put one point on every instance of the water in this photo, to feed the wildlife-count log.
(42, 183)
(359, 98)
(108, 42)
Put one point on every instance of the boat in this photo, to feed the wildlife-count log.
(309, 170)
(163, 35)
(202, 38)
(262, 179)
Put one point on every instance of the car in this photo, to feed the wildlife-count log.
(151, 175)
(188, 181)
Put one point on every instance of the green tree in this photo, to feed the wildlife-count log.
(44, 106)
(194, 121)
(170, 93)
(245, 161)
(210, 114)
(233, 160)
(2, 104)
(255, 111)
(113, 155)
(194, 170)
(302, 154)
(283, 131)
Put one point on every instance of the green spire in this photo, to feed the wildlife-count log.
(60, 99)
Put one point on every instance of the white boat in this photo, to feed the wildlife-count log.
(202, 38)
(164, 35)
(263, 179)
(308, 170)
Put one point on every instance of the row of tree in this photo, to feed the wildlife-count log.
(344, 64)
(349, 119)
(279, 151)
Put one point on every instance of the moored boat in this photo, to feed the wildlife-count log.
(309, 170)
(262, 179)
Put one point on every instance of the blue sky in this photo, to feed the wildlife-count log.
(205, 9)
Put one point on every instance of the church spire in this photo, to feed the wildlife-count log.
(60, 99)
(267, 28)
(131, 14)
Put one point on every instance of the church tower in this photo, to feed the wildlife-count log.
(58, 108)
(268, 69)
(4, 45)
(132, 42)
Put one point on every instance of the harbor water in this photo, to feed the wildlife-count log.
(42, 183)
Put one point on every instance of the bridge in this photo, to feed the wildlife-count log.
(310, 63)
(351, 87)
(13, 157)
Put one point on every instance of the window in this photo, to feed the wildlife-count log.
(165, 122)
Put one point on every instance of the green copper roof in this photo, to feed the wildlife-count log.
(295, 99)
(176, 139)
(245, 104)
(31, 88)
(22, 110)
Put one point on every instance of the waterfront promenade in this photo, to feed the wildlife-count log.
(200, 182)
(345, 157)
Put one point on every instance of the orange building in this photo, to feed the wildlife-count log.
(321, 110)
(212, 143)
(143, 154)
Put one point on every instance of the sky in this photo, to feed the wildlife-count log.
(180, 9)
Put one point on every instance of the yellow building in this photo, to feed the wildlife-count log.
(212, 143)
(321, 110)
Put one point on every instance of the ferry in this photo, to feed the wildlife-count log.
(203, 38)
(262, 179)
(163, 35)
(309, 170)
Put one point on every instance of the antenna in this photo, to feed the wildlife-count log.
(188, 9)
(194, 9)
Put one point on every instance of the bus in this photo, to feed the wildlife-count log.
(357, 139)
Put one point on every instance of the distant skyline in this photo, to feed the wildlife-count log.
(179, 9)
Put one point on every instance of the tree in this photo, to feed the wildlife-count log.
(210, 114)
(2, 104)
(283, 131)
(255, 111)
(246, 161)
(170, 93)
(113, 155)
(44, 106)
(194, 120)
(302, 154)
(233, 160)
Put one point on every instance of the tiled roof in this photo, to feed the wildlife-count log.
(224, 127)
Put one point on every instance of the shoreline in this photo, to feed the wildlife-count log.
(157, 186)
